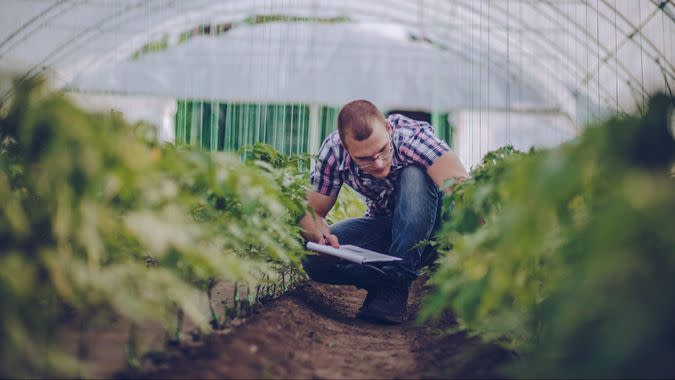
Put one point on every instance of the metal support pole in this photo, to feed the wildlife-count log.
(313, 129)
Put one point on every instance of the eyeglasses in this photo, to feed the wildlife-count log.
(384, 155)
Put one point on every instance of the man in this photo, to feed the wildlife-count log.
(398, 165)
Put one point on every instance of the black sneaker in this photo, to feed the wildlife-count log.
(372, 294)
(386, 304)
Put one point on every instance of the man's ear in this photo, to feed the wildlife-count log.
(344, 142)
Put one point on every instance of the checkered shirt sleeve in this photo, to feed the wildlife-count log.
(325, 177)
(420, 145)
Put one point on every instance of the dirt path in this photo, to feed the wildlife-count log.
(312, 333)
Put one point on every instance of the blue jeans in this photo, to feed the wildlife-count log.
(416, 217)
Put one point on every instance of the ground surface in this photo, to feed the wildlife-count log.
(311, 332)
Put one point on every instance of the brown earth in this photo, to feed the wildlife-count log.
(311, 332)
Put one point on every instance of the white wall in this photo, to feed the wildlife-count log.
(159, 112)
(478, 132)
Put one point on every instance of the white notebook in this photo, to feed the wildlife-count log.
(352, 253)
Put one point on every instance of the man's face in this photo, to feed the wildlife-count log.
(374, 154)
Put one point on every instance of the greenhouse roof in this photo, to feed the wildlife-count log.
(504, 54)
(326, 64)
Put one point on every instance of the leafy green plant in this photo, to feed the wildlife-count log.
(95, 220)
(575, 239)
(349, 204)
(293, 174)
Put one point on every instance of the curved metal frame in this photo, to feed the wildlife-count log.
(407, 12)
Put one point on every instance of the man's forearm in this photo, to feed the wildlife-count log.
(316, 229)
(447, 167)
(313, 226)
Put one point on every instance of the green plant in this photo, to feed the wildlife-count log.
(95, 220)
(575, 240)
(349, 204)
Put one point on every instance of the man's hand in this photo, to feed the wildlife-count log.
(315, 229)
(329, 239)
(314, 226)
(321, 237)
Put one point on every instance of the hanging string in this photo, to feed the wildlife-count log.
(521, 50)
(569, 45)
(263, 107)
(480, 81)
(471, 115)
(663, 36)
(508, 75)
(292, 35)
(588, 64)
(489, 105)
(597, 42)
(268, 121)
(616, 59)
(291, 38)
(642, 65)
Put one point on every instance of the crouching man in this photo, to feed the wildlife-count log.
(398, 165)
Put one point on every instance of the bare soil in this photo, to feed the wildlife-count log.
(312, 332)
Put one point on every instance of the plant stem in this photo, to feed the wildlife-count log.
(132, 348)
(209, 290)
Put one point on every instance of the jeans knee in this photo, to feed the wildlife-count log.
(416, 191)
(415, 180)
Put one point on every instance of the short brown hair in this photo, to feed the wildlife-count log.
(356, 117)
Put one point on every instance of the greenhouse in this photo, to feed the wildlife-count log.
(163, 165)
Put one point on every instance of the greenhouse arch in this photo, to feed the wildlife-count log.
(571, 61)
(176, 202)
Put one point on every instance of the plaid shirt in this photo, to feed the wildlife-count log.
(414, 144)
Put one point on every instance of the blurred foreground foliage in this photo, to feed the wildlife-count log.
(95, 220)
(568, 255)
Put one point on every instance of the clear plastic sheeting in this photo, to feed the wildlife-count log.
(589, 46)
(315, 63)
(478, 132)
(569, 60)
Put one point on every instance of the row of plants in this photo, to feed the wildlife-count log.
(96, 221)
(567, 255)
(349, 203)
